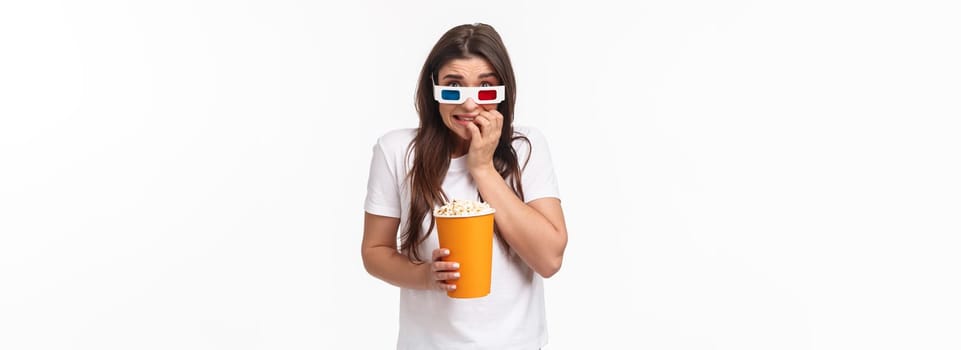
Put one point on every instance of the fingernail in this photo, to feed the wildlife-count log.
(456, 274)
(452, 287)
(446, 251)
(456, 265)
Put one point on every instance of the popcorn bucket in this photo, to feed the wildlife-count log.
(470, 239)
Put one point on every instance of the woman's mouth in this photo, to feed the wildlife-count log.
(464, 119)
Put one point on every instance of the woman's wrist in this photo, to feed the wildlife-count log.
(423, 270)
(483, 171)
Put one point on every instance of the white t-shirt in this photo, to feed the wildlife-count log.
(512, 315)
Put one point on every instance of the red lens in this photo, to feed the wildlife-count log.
(487, 95)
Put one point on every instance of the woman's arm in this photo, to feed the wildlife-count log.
(535, 230)
(381, 259)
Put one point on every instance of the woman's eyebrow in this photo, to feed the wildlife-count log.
(460, 77)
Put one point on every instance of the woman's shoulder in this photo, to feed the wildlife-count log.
(397, 139)
(533, 136)
(528, 131)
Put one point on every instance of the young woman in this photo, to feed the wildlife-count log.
(465, 147)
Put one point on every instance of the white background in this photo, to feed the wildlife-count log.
(736, 175)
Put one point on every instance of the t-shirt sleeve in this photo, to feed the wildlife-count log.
(538, 176)
(383, 196)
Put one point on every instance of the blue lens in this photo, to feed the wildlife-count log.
(450, 95)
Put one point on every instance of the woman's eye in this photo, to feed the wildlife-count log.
(453, 84)
(485, 84)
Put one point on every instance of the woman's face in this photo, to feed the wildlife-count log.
(465, 72)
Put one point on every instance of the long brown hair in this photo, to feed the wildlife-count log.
(434, 142)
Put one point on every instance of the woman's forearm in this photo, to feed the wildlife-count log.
(386, 263)
(538, 241)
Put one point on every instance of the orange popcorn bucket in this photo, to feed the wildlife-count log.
(470, 240)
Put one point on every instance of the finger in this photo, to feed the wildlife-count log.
(484, 121)
(445, 286)
(446, 276)
(498, 120)
(475, 133)
(495, 120)
(439, 253)
(492, 115)
(439, 266)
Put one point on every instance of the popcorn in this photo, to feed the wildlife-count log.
(460, 207)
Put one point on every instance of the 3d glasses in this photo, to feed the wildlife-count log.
(457, 95)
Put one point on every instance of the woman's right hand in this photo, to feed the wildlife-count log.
(441, 272)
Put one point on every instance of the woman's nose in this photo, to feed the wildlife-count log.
(470, 104)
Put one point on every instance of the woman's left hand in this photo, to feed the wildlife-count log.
(485, 134)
